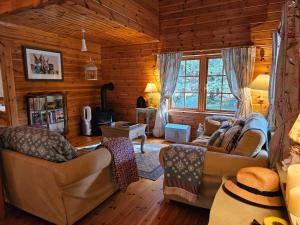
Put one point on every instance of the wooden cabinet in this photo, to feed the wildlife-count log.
(47, 110)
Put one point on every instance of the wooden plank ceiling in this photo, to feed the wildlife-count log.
(108, 22)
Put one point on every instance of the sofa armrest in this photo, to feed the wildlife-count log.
(220, 164)
(79, 168)
(161, 155)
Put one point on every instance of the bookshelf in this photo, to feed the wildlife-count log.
(47, 110)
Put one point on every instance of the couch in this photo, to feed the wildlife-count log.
(249, 151)
(61, 193)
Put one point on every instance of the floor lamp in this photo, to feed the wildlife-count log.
(261, 83)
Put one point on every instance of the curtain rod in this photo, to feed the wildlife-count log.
(215, 49)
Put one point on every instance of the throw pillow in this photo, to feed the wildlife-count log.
(230, 137)
(210, 126)
(36, 142)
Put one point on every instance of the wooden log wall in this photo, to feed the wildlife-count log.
(213, 24)
(79, 91)
(190, 26)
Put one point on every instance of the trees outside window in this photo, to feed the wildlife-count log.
(214, 93)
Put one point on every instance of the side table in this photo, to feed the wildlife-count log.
(117, 130)
(148, 112)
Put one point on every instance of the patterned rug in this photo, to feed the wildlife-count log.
(148, 162)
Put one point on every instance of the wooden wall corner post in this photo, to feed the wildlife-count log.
(9, 87)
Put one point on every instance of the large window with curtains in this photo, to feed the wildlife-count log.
(202, 86)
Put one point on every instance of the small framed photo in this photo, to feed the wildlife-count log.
(43, 64)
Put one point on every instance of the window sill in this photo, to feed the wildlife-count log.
(204, 112)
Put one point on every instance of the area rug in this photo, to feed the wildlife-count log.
(148, 162)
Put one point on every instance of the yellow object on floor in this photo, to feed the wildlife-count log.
(271, 220)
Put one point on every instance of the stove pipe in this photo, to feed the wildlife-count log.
(104, 88)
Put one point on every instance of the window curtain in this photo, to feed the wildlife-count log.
(287, 83)
(276, 53)
(168, 66)
(239, 67)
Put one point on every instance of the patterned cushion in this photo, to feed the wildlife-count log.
(37, 142)
(230, 137)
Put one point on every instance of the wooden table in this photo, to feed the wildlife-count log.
(228, 210)
(148, 112)
(116, 130)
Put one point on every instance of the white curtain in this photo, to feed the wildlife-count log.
(239, 67)
(276, 52)
(168, 66)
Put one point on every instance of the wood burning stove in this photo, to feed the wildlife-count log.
(101, 115)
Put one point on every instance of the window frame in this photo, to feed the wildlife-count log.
(202, 94)
(184, 108)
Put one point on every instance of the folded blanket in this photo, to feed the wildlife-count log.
(124, 165)
(183, 165)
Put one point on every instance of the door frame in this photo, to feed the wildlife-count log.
(9, 88)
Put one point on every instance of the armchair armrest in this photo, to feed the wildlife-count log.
(220, 164)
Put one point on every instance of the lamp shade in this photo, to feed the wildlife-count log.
(261, 82)
(294, 133)
(150, 88)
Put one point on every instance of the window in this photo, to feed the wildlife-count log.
(218, 94)
(202, 85)
(186, 95)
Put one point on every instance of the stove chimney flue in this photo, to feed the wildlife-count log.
(104, 88)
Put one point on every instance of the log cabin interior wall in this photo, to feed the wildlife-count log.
(190, 26)
(79, 91)
(130, 42)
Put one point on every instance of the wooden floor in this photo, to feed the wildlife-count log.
(141, 204)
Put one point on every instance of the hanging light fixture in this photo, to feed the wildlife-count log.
(90, 70)
(83, 42)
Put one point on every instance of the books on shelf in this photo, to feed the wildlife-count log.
(47, 110)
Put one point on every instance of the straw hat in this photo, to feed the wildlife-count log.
(257, 186)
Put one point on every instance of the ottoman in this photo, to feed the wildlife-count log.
(177, 132)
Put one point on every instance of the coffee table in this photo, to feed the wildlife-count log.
(116, 130)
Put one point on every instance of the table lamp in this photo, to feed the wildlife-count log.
(294, 135)
(150, 88)
(261, 83)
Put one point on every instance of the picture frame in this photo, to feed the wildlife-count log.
(43, 64)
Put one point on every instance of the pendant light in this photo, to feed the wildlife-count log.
(83, 42)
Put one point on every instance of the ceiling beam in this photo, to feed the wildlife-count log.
(14, 6)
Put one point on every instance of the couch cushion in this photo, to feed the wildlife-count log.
(210, 126)
(36, 142)
(230, 138)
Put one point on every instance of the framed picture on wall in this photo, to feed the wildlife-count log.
(43, 64)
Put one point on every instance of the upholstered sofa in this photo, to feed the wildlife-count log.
(61, 193)
(249, 151)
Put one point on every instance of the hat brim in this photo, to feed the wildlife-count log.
(232, 189)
